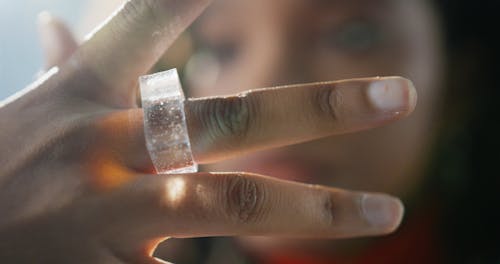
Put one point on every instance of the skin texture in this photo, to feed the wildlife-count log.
(74, 184)
(264, 43)
(275, 43)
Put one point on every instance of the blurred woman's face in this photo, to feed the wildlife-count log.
(261, 43)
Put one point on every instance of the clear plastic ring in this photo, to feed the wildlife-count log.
(165, 127)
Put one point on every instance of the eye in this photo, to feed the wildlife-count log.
(357, 37)
(224, 52)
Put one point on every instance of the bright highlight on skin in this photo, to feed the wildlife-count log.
(176, 189)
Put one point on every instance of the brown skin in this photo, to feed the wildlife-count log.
(275, 42)
(278, 43)
(73, 187)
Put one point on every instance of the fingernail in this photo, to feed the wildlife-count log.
(382, 211)
(392, 94)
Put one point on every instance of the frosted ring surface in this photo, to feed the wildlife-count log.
(165, 127)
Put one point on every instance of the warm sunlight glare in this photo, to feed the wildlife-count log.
(176, 189)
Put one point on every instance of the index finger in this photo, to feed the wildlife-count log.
(225, 127)
(130, 42)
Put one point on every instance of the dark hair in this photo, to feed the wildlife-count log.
(465, 170)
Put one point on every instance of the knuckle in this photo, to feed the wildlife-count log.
(329, 102)
(142, 12)
(244, 199)
(133, 9)
(230, 118)
(329, 210)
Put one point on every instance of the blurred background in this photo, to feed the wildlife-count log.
(464, 176)
(20, 53)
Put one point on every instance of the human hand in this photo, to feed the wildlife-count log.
(74, 184)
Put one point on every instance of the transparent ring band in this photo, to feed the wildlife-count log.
(165, 127)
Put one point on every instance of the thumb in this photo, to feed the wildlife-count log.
(57, 41)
